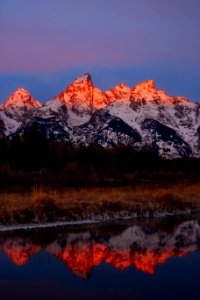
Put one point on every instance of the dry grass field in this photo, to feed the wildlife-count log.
(44, 205)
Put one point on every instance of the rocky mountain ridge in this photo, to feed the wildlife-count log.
(139, 116)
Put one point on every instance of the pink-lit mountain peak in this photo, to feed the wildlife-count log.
(81, 84)
(119, 92)
(82, 96)
(78, 95)
(122, 90)
(146, 88)
(147, 91)
(84, 78)
(21, 98)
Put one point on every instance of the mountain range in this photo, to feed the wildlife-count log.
(141, 116)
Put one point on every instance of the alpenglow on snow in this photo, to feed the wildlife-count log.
(83, 114)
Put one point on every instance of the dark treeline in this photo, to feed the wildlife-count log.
(32, 159)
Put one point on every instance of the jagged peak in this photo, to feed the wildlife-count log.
(21, 91)
(75, 86)
(147, 91)
(20, 98)
(122, 86)
(82, 92)
(119, 92)
(85, 77)
(145, 85)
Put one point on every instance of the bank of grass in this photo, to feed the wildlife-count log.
(40, 205)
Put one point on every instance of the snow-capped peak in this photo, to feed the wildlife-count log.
(81, 96)
(139, 116)
(21, 98)
(78, 96)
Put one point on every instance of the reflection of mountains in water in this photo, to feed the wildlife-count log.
(143, 246)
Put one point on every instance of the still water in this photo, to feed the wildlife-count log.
(151, 260)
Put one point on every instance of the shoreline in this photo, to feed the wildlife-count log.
(41, 206)
(109, 221)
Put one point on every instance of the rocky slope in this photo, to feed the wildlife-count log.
(141, 116)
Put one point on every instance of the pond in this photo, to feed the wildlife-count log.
(157, 259)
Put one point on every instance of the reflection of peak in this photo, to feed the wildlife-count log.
(20, 254)
(21, 98)
(135, 246)
(147, 262)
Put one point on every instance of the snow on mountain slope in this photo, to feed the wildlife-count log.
(175, 113)
(181, 118)
(80, 99)
(16, 109)
(10, 125)
(85, 114)
(106, 130)
(58, 108)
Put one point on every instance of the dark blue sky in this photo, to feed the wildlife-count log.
(44, 44)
